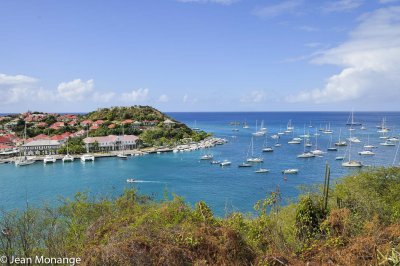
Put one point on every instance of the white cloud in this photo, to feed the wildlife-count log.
(342, 5)
(255, 96)
(75, 90)
(14, 89)
(222, 2)
(370, 61)
(138, 95)
(163, 98)
(185, 98)
(17, 80)
(270, 11)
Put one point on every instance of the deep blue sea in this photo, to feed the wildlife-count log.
(225, 189)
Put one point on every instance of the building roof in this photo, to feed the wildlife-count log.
(42, 143)
(111, 138)
(5, 147)
(5, 140)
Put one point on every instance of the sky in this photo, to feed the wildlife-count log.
(200, 55)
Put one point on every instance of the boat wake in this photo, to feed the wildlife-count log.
(147, 181)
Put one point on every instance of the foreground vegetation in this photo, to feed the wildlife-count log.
(357, 224)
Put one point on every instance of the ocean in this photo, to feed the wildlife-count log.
(224, 189)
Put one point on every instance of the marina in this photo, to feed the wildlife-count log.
(230, 170)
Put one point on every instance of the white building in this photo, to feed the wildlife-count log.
(41, 147)
(112, 142)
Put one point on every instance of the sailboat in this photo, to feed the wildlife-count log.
(253, 159)
(353, 139)
(340, 143)
(122, 154)
(317, 151)
(351, 163)
(262, 128)
(306, 154)
(369, 146)
(266, 147)
(67, 157)
(383, 128)
(195, 128)
(331, 148)
(87, 156)
(289, 127)
(23, 160)
(259, 133)
(328, 129)
(351, 122)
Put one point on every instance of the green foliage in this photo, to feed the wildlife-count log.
(309, 215)
(75, 146)
(376, 191)
(136, 230)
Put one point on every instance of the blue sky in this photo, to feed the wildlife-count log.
(200, 55)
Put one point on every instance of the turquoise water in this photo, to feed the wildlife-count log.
(224, 189)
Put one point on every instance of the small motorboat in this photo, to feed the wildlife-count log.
(366, 153)
(290, 171)
(130, 180)
(122, 156)
(207, 157)
(268, 149)
(255, 160)
(225, 163)
(332, 149)
(261, 171)
(306, 155)
(339, 158)
(352, 164)
(244, 164)
(215, 162)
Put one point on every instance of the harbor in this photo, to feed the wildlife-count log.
(182, 168)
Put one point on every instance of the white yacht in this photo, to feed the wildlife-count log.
(351, 163)
(366, 153)
(306, 155)
(207, 157)
(262, 171)
(87, 157)
(388, 143)
(328, 129)
(294, 141)
(49, 159)
(266, 147)
(225, 163)
(252, 158)
(317, 151)
(24, 161)
(122, 156)
(68, 158)
(290, 171)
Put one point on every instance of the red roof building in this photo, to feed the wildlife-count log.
(86, 122)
